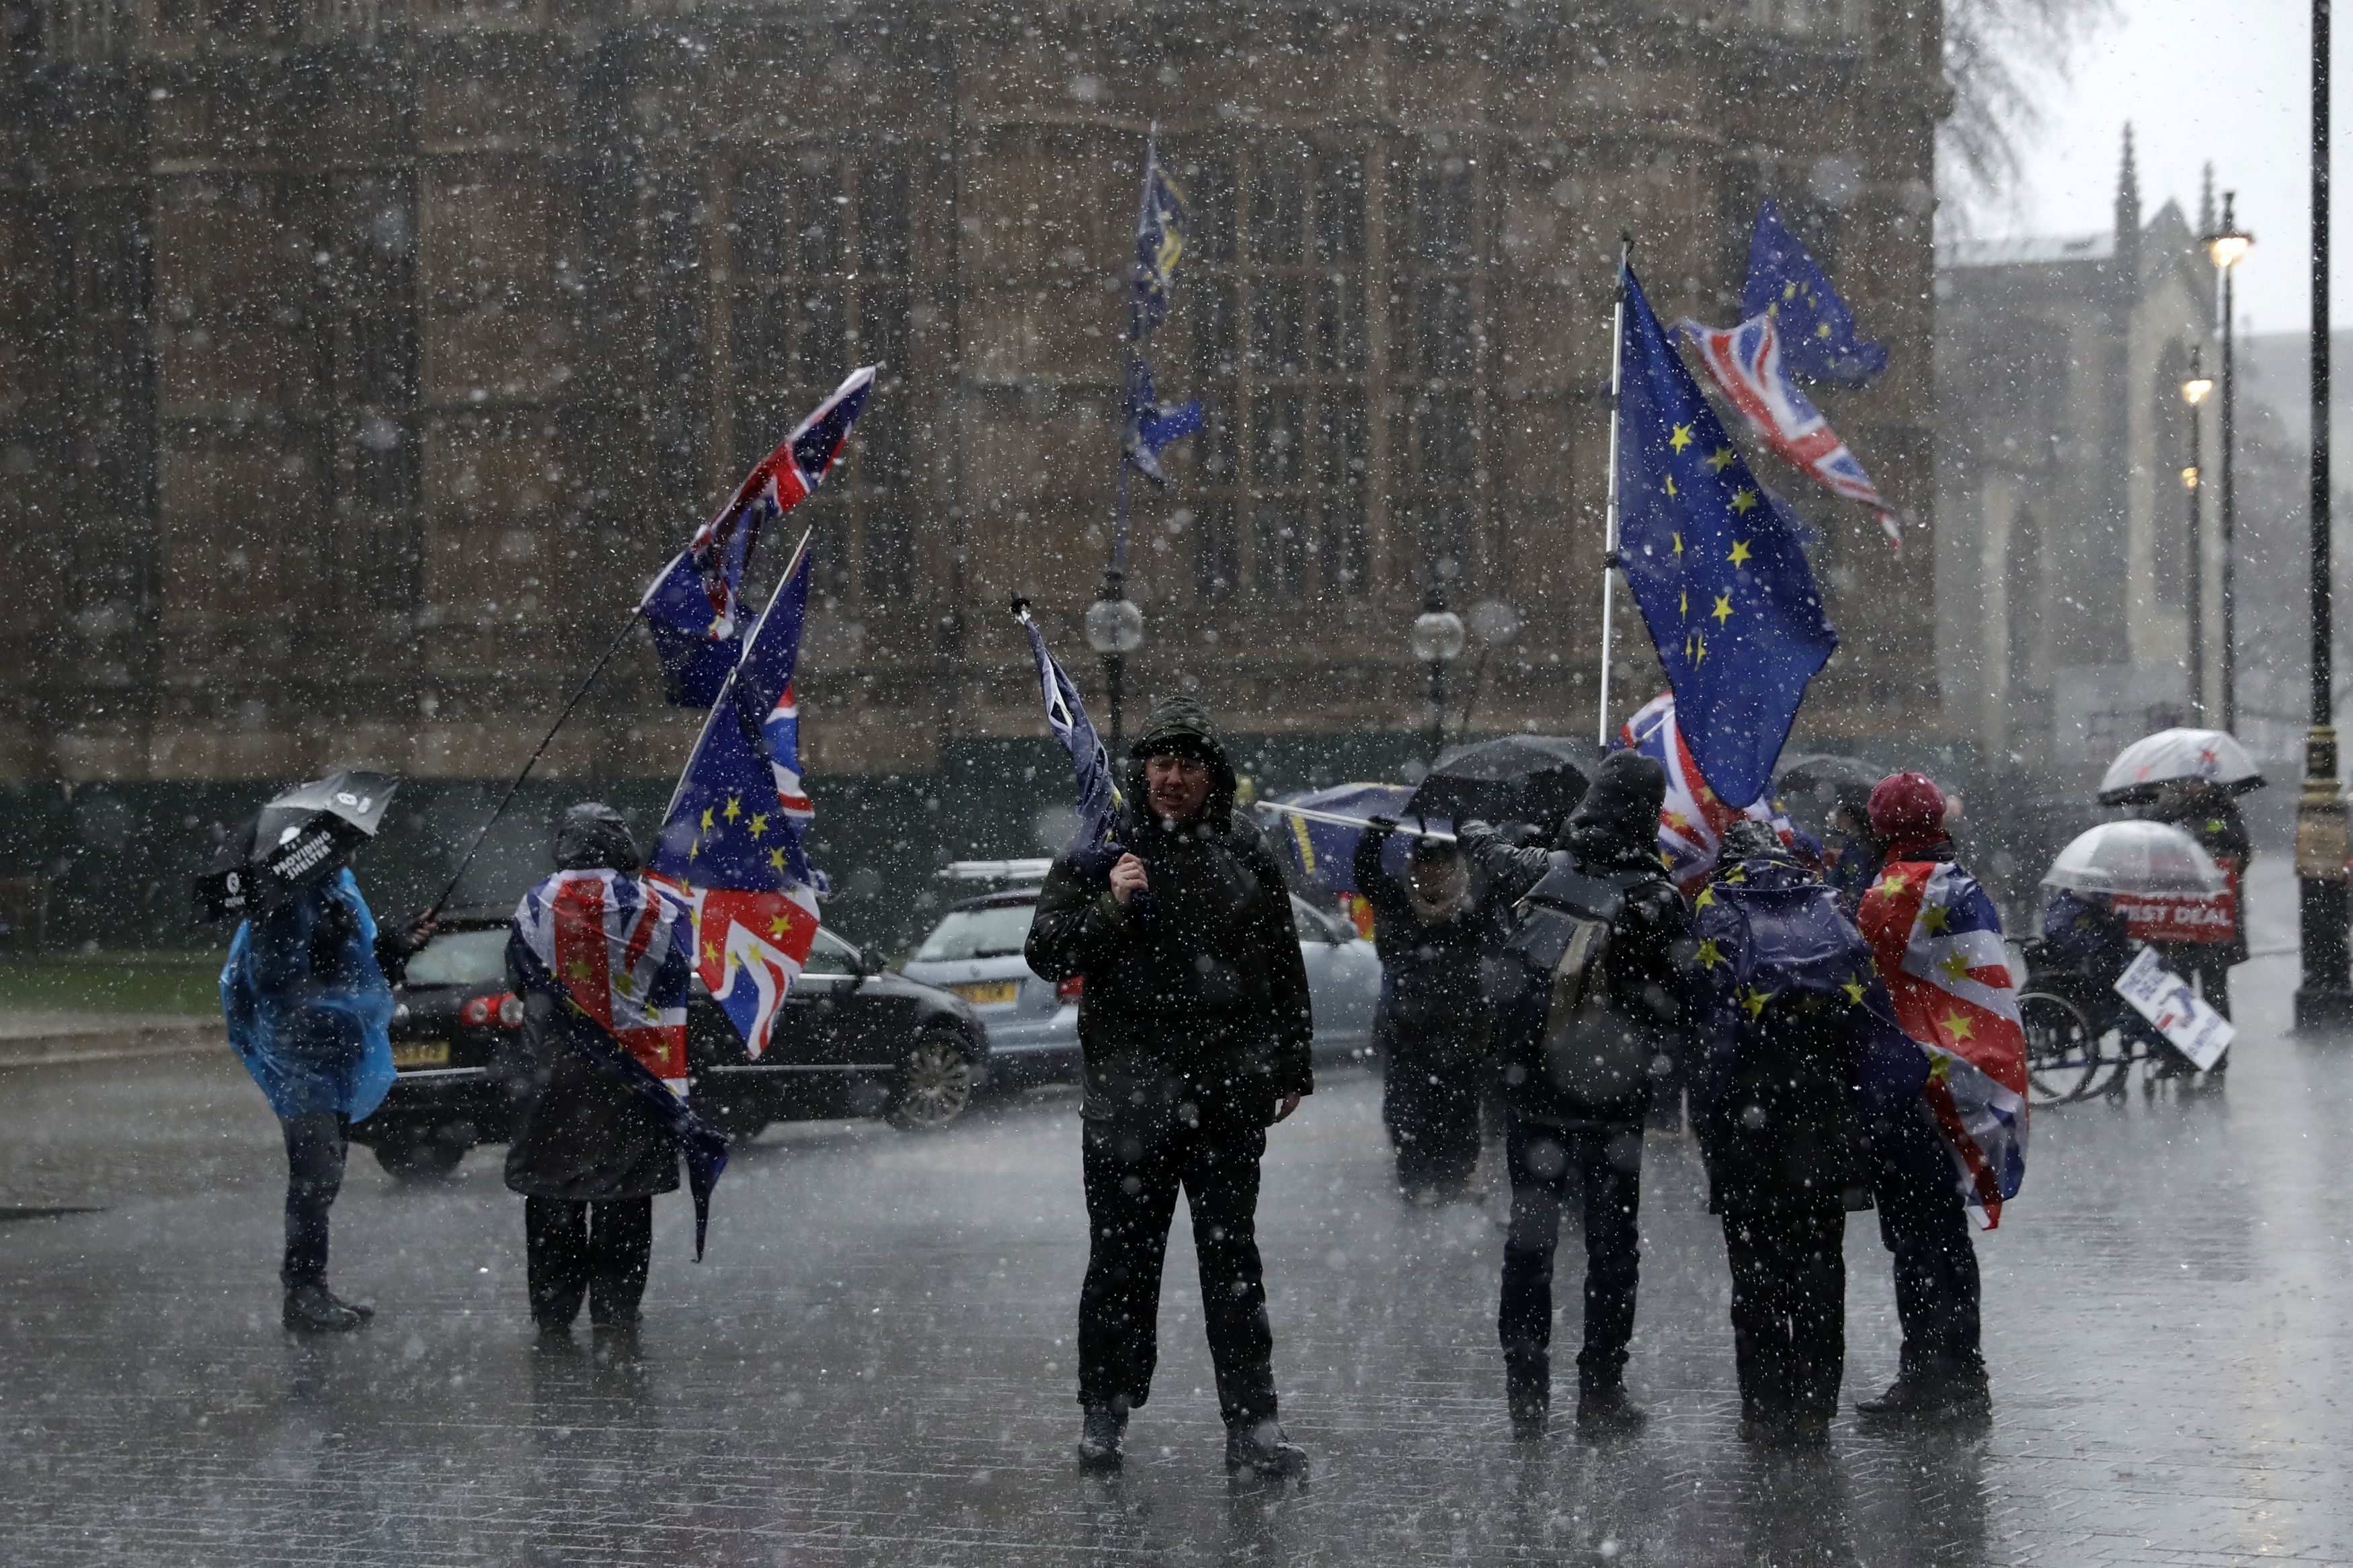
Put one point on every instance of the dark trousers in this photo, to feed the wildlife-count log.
(1133, 1168)
(1608, 1165)
(1429, 1102)
(1789, 1310)
(598, 1251)
(1922, 1223)
(316, 1143)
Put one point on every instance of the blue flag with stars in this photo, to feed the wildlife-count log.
(1819, 338)
(1717, 566)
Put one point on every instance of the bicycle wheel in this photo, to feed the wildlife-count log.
(2063, 1050)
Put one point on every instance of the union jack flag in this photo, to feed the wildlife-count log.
(619, 949)
(731, 842)
(692, 607)
(1744, 363)
(1937, 940)
(1692, 818)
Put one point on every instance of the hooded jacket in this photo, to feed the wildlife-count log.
(1196, 986)
(1614, 834)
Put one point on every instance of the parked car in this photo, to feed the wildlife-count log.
(851, 1040)
(975, 950)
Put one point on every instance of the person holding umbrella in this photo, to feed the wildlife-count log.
(307, 1000)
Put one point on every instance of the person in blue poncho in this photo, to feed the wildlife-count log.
(308, 1002)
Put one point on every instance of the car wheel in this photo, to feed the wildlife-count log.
(419, 1159)
(934, 1082)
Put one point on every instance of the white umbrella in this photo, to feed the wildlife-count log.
(2135, 858)
(2210, 756)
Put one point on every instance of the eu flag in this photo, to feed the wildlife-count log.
(1819, 339)
(1160, 226)
(1066, 716)
(1715, 564)
(1151, 425)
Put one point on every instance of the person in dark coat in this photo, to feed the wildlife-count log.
(1195, 1027)
(588, 1153)
(307, 994)
(1788, 1014)
(1433, 932)
(1850, 854)
(1922, 1219)
(2206, 813)
(1558, 1134)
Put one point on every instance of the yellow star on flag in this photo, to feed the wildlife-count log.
(1678, 821)
(1754, 1000)
(1933, 919)
(1853, 989)
(1710, 952)
(1679, 543)
(1680, 437)
(780, 926)
(1707, 897)
(1671, 484)
(1721, 460)
(1723, 611)
(1742, 499)
(758, 825)
(706, 819)
(1955, 966)
(1739, 556)
(735, 809)
(710, 952)
(625, 986)
(1959, 1027)
(776, 857)
(576, 970)
(1889, 886)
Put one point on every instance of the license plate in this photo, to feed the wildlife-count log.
(981, 992)
(421, 1054)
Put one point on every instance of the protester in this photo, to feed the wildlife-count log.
(1195, 1027)
(2209, 814)
(1595, 1012)
(1788, 1013)
(308, 1004)
(1433, 932)
(602, 961)
(1914, 1183)
(1850, 854)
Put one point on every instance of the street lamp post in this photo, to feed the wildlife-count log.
(2324, 997)
(2228, 245)
(1438, 638)
(1115, 630)
(2194, 391)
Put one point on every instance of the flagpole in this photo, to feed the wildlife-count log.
(1609, 516)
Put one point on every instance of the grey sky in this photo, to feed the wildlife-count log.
(2200, 81)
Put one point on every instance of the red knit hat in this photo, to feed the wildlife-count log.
(1906, 806)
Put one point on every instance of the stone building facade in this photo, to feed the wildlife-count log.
(360, 360)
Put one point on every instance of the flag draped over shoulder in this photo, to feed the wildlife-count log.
(691, 607)
(732, 843)
(1936, 938)
(1717, 566)
(1066, 716)
(1818, 331)
(1693, 818)
(614, 952)
(1744, 361)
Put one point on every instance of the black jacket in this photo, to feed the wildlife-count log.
(578, 1134)
(1433, 974)
(1197, 988)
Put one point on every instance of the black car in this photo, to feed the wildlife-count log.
(851, 1040)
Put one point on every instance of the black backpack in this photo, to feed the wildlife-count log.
(1591, 1052)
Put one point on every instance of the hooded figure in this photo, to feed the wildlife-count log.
(1434, 930)
(1587, 1030)
(308, 1008)
(1195, 1026)
(591, 1146)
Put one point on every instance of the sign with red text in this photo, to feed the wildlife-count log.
(2184, 917)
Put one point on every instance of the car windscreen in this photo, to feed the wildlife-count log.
(986, 930)
(461, 958)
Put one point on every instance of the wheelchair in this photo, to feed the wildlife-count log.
(2081, 1038)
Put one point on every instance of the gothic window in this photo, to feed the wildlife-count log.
(1439, 353)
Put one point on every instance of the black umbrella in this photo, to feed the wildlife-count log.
(298, 839)
(1813, 784)
(1511, 778)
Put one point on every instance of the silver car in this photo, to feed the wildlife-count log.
(1033, 1024)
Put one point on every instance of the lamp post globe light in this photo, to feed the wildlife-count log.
(2195, 390)
(2322, 997)
(1115, 630)
(1438, 639)
(2226, 247)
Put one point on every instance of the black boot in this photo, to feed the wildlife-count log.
(1261, 1449)
(366, 1311)
(1930, 1397)
(1101, 1435)
(1603, 1411)
(313, 1309)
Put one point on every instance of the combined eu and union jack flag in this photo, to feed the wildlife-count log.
(1937, 940)
(1820, 339)
(1744, 361)
(1717, 566)
(1693, 818)
(692, 608)
(731, 842)
(1066, 716)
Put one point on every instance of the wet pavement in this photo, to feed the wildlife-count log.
(874, 1365)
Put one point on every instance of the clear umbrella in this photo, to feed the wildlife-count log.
(2172, 756)
(2135, 858)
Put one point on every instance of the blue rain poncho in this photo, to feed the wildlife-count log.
(314, 1039)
